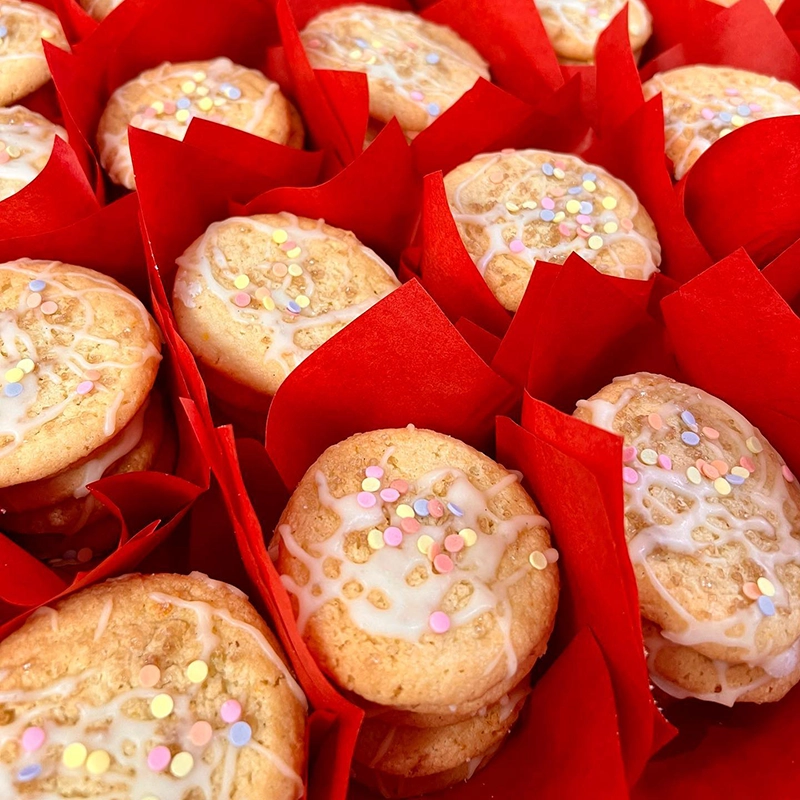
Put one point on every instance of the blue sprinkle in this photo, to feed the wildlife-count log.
(736, 480)
(725, 116)
(183, 102)
(547, 169)
(37, 286)
(547, 215)
(421, 507)
(766, 605)
(240, 734)
(586, 207)
(432, 58)
(589, 176)
(688, 418)
(575, 189)
(434, 110)
(12, 389)
(744, 111)
(293, 307)
(29, 773)
(3, 31)
(690, 437)
(455, 510)
(361, 43)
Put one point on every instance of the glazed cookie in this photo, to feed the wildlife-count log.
(415, 69)
(703, 104)
(99, 9)
(149, 686)
(421, 571)
(26, 142)
(521, 206)
(712, 518)
(23, 67)
(167, 98)
(574, 26)
(79, 356)
(254, 296)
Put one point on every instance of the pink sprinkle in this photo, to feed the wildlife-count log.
(366, 499)
(560, 164)
(454, 542)
(748, 463)
(551, 554)
(626, 224)
(628, 454)
(664, 461)
(241, 299)
(564, 229)
(231, 711)
(443, 563)
(158, 758)
(374, 472)
(150, 112)
(393, 536)
(439, 622)
(516, 246)
(314, 43)
(4, 157)
(84, 555)
(583, 219)
(32, 739)
(49, 307)
(417, 96)
(558, 191)
(755, 107)
(280, 269)
(434, 550)
(200, 733)
(592, 12)
(787, 473)
(288, 245)
(400, 485)
(84, 387)
(435, 509)
(582, 232)
(630, 475)
(707, 113)
(548, 203)
(92, 375)
(169, 107)
(731, 91)
(409, 525)
(389, 495)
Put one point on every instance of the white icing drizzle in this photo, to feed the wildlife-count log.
(585, 20)
(507, 222)
(281, 345)
(386, 570)
(26, 24)
(126, 739)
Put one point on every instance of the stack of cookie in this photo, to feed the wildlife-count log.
(424, 584)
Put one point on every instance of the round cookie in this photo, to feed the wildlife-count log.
(415, 69)
(167, 98)
(159, 686)
(254, 296)
(99, 9)
(23, 67)
(79, 356)
(574, 26)
(410, 559)
(519, 206)
(26, 142)
(712, 519)
(703, 104)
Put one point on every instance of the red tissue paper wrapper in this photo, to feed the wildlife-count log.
(146, 506)
(715, 746)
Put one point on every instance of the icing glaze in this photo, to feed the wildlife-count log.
(26, 24)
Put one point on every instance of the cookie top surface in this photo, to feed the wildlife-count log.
(23, 67)
(415, 69)
(254, 296)
(165, 100)
(519, 206)
(420, 569)
(160, 686)
(78, 358)
(26, 142)
(703, 104)
(712, 518)
(574, 26)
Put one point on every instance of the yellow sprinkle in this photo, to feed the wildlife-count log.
(590, 186)
(202, 91)
(469, 536)
(404, 511)
(354, 55)
(604, 15)
(587, 228)
(537, 559)
(47, 33)
(765, 587)
(424, 543)
(737, 121)
(268, 303)
(649, 456)
(375, 539)
(512, 207)
(376, 43)
(26, 365)
(161, 706)
(573, 206)
(740, 471)
(182, 115)
(302, 301)
(753, 445)
(725, 132)
(181, 764)
(157, 106)
(559, 217)
(206, 104)
(187, 87)
(372, 60)
(199, 76)
(295, 269)
(98, 762)
(241, 281)
(219, 101)
(14, 375)
(558, 173)
(294, 252)
(13, 151)
(74, 755)
(722, 486)
(595, 242)
(197, 671)
(279, 236)
(609, 202)
(611, 227)
(693, 474)
(370, 484)
(529, 204)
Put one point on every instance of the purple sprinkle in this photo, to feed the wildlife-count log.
(516, 246)
(744, 111)
(183, 102)
(434, 110)
(547, 215)
(37, 286)
(707, 113)
(725, 116)
(3, 31)
(690, 437)
(735, 480)
(293, 307)
(421, 507)
(766, 606)
(688, 418)
(547, 169)
(455, 510)
(389, 495)
(12, 389)
(575, 190)
(240, 734)
(362, 43)
(366, 500)
(589, 176)
(432, 58)
(417, 96)
(29, 773)
(586, 207)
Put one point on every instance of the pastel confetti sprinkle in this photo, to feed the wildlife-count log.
(710, 433)
(424, 544)
(439, 622)
(707, 113)
(375, 539)
(722, 486)
(37, 286)
(421, 507)
(197, 671)
(32, 739)
(393, 536)
(370, 484)
(649, 456)
(664, 461)
(432, 58)
(434, 110)
(400, 485)
(547, 169)
(628, 454)
(279, 236)
(98, 762)
(241, 299)
(84, 555)
(74, 755)
(48, 308)
(753, 445)
(630, 475)
(516, 246)
(469, 536)
(366, 500)
(537, 560)
(410, 525)
(293, 307)
(29, 773)
(84, 387)
(765, 587)
(231, 711)
(294, 252)
(435, 509)
(720, 466)
(389, 495)
(374, 472)
(787, 473)
(547, 215)
(33, 301)
(240, 734)
(12, 390)
(690, 438)
(656, 423)
(751, 590)
(14, 375)
(552, 555)
(418, 96)
(161, 706)
(748, 463)
(443, 563)
(688, 418)
(201, 733)
(735, 480)
(404, 511)
(693, 474)
(595, 242)
(241, 281)
(182, 764)
(454, 543)
(158, 758)
(766, 606)
(455, 510)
